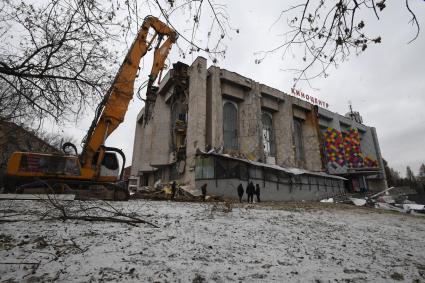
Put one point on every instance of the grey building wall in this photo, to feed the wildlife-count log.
(208, 90)
(272, 191)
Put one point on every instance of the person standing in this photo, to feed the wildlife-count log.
(250, 192)
(257, 192)
(240, 192)
(173, 189)
(204, 191)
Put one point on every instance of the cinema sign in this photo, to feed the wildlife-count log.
(309, 98)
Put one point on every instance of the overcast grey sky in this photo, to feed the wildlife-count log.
(386, 83)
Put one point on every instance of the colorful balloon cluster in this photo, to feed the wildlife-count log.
(334, 146)
(353, 153)
(370, 162)
(346, 150)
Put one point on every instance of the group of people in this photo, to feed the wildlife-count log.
(251, 190)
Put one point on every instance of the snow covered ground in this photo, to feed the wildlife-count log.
(205, 242)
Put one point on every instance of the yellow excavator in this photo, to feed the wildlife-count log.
(95, 173)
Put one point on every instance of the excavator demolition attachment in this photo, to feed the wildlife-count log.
(95, 173)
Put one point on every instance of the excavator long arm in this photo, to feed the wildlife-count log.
(110, 113)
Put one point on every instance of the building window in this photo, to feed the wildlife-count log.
(144, 179)
(298, 140)
(230, 126)
(268, 135)
(227, 168)
(204, 168)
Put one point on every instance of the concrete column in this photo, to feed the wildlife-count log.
(196, 126)
(312, 157)
(282, 123)
(249, 110)
(214, 108)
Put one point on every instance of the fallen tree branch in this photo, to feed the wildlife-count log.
(90, 211)
(132, 221)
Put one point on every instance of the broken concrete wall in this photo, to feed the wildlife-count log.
(161, 129)
(142, 149)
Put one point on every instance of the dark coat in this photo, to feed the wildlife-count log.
(240, 190)
(250, 189)
(257, 190)
(204, 189)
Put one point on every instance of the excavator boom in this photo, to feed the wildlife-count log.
(112, 109)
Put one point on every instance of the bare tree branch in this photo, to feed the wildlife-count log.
(329, 32)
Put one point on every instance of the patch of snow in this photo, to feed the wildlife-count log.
(207, 242)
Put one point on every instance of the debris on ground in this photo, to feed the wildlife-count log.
(382, 200)
(412, 206)
(358, 201)
(212, 242)
(163, 191)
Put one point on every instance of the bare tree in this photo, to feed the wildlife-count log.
(57, 57)
(328, 32)
(217, 29)
(56, 140)
(53, 56)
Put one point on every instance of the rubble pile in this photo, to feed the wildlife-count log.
(382, 200)
(164, 191)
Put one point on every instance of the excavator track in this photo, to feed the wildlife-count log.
(83, 190)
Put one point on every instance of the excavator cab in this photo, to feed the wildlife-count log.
(110, 166)
(109, 169)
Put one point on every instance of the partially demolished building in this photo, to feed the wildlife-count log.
(213, 126)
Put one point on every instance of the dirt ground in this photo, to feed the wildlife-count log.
(214, 242)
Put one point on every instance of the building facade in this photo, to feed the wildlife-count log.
(210, 125)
